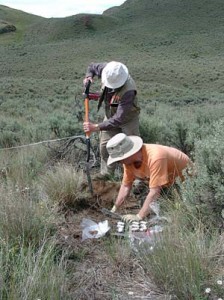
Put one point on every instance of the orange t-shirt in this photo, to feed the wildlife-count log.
(160, 166)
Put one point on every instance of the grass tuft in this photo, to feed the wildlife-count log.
(185, 259)
(63, 185)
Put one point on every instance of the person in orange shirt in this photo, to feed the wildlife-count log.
(158, 164)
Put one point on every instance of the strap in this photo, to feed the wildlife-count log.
(102, 96)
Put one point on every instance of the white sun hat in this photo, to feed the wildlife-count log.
(114, 75)
(122, 146)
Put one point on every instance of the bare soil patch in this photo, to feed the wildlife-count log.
(104, 268)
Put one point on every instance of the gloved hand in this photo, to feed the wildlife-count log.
(113, 209)
(130, 218)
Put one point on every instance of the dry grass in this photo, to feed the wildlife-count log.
(100, 276)
(63, 185)
(179, 76)
(187, 258)
(104, 268)
(22, 218)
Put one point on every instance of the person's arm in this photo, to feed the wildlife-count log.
(123, 109)
(117, 120)
(94, 69)
(145, 210)
(152, 196)
(125, 105)
(122, 196)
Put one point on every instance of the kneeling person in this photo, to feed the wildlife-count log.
(159, 165)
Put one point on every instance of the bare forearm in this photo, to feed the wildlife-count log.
(152, 196)
(122, 195)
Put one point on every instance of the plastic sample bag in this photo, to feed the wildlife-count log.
(93, 230)
(145, 240)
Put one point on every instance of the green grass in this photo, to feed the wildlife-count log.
(19, 19)
(174, 51)
(183, 262)
(63, 186)
(27, 273)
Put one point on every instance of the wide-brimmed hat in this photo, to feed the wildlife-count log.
(114, 75)
(122, 146)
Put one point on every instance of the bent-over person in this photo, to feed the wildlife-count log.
(159, 165)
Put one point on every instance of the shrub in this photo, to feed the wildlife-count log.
(63, 125)
(167, 128)
(9, 139)
(205, 192)
(10, 132)
(23, 165)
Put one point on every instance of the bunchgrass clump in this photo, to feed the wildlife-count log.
(30, 273)
(63, 185)
(22, 218)
(186, 257)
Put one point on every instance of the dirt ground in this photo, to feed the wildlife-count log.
(103, 268)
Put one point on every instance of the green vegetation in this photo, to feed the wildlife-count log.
(185, 261)
(20, 20)
(64, 186)
(174, 51)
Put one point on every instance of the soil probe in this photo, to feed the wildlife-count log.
(86, 96)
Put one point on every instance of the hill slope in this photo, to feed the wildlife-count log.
(19, 19)
(73, 27)
(173, 48)
(38, 29)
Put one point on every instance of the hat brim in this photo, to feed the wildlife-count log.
(137, 141)
(115, 85)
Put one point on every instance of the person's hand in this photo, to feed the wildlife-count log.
(90, 127)
(114, 209)
(86, 80)
(130, 218)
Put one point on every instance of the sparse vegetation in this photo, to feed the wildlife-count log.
(174, 51)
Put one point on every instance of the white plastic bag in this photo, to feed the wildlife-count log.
(145, 240)
(92, 230)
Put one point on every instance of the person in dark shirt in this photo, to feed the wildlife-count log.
(119, 95)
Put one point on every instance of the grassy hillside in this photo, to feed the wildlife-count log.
(177, 43)
(19, 19)
(174, 50)
(16, 16)
(60, 29)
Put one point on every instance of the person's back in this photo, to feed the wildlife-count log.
(160, 165)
